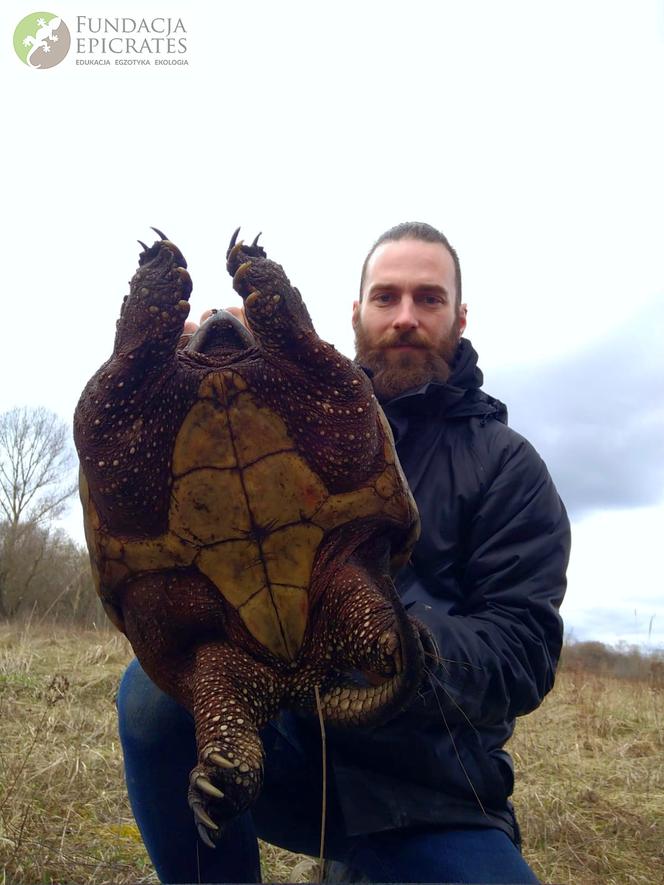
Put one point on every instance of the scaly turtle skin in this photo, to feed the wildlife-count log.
(244, 508)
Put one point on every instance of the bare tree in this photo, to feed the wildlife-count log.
(36, 461)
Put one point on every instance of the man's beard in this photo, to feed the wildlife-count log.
(396, 371)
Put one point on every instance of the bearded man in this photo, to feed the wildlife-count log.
(424, 798)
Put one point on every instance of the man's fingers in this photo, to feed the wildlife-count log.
(190, 326)
(238, 313)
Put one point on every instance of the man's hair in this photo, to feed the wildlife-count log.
(416, 230)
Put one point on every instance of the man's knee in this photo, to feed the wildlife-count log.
(147, 715)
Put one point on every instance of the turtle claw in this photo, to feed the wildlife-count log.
(205, 838)
(240, 272)
(205, 826)
(202, 817)
(211, 807)
(235, 245)
(157, 248)
(207, 787)
(219, 760)
(233, 241)
(232, 253)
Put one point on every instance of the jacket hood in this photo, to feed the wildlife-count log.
(458, 397)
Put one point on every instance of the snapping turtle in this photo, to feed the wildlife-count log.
(244, 508)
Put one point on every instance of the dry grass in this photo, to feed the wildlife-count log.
(590, 781)
(64, 813)
(590, 776)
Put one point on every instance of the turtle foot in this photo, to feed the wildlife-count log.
(273, 308)
(156, 250)
(220, 789)
(152, 316)
(238, 263)
(235, 248)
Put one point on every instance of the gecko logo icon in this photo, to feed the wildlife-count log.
(41, 40)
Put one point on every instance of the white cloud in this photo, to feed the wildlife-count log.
(616, 589)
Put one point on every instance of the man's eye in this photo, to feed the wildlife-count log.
(383, 297)
(432, 300)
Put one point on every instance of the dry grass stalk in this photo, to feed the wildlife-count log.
(590, 776)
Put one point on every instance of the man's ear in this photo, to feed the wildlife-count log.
(463, 318)
(356, 313)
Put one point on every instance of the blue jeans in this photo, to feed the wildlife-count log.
(159, 747)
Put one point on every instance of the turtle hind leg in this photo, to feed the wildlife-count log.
(153, 314)
(362, 624)
(228, 693)
(370, 644)
(233, 696)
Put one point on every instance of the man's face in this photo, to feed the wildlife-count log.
(407, 325)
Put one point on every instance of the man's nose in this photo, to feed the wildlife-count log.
(406, 316)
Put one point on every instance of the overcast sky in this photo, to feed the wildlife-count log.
(530, 133)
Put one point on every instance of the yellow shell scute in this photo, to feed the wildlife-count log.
(293, 607)
(235, 567)
(257, 431)
(215, 386)
(204, 440)
(282, 489)
(389, 451)
(237, 380)
(90, 516)
(339, 509)
(209, 506)
(112, 573)
(402, 556)
(91, 522)
(151, 554)
(91, 525)
(110, 547)
(386, 484)
(276, 617)
(289, 554)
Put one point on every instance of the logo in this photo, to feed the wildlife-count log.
(42, 40)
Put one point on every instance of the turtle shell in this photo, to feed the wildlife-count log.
(248, 511)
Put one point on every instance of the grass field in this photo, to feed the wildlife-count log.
(590, 773)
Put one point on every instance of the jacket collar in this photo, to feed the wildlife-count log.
(458, 397)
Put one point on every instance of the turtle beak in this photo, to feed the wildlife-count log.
(221, 334)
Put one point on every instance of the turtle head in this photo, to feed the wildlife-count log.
(221, 335)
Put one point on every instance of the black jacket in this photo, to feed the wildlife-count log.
(487, 577)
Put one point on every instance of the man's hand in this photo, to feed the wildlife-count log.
(238, 313)
(190, 327)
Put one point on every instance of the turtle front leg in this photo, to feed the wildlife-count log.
(274, 308)
(233, 697)
(323, 392)
(153, 314)
(132, 407)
